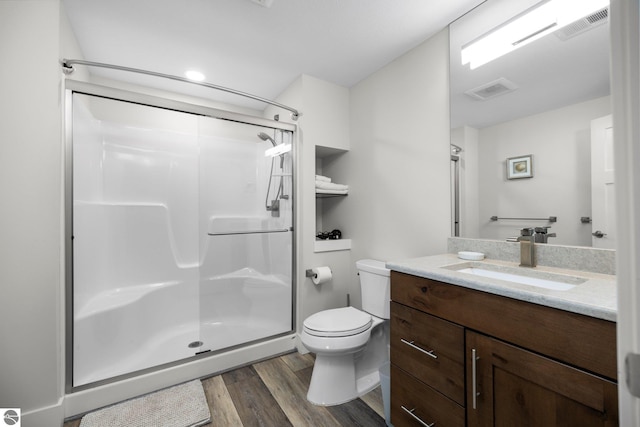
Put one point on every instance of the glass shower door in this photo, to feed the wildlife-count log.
(246, 204)
(135, 237)
(182, 236)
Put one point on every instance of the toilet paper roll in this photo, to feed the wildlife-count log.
(321, 275)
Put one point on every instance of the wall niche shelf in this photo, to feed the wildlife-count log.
(327, 195)
(328, 202)
(332, 245)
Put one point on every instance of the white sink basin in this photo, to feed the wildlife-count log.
(532, 278)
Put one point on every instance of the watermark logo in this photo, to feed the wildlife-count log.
(10, 417)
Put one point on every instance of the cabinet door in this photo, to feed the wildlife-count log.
(515, 387)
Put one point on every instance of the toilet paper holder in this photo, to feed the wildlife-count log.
(319, 275)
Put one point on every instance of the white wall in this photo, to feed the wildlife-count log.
(31, 319)
(398, 164)
(560, 143)
(324, 123)
(395, 126)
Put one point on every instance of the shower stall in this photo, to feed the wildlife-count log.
(180, 227)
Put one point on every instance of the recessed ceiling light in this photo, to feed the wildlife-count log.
(194, 75)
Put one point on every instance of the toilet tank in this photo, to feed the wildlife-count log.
(375, 287)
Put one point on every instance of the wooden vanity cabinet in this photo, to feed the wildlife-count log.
(528, 364)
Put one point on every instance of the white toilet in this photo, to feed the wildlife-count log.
(350, 345)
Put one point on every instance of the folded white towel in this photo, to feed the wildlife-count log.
(330, 186)
(320, 191)
(323, 178)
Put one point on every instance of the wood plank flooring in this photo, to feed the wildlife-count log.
(273, 393)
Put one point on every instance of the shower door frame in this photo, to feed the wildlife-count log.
(73, 86)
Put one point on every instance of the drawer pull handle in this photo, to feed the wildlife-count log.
(427, 352)
(415, 417)
(474, 382)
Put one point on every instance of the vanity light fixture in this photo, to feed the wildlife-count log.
(194, 75)
(542, 19)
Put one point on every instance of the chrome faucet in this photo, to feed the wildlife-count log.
(527, 247)
(542, 234)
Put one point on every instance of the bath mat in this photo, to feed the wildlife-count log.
(184, 405)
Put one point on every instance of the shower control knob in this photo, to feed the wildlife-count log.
(599, 234)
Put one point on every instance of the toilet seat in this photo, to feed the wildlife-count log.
(337, 322)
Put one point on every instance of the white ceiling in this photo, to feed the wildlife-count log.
(247, 47)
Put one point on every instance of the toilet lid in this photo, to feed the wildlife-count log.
(337, 322)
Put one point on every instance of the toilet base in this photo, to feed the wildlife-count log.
(334, 381)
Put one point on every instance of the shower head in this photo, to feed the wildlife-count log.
(455, 149)
(263, 136)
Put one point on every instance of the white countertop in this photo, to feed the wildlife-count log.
(595, 297)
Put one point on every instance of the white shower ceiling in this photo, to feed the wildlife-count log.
(248, 47)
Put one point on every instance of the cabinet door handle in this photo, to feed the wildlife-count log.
(427, 352)
(474, 382)
(415, 417)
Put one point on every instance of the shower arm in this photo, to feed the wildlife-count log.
(67, 68)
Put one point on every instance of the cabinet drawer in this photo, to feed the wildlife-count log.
(430, 349)
(424, 402)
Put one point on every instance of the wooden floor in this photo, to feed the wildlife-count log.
(273, 393)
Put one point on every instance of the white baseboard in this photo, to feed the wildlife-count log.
(47, 416)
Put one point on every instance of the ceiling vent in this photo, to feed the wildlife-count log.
(492, 89)
(582, 25)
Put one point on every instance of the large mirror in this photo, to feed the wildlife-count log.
(531, 132)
